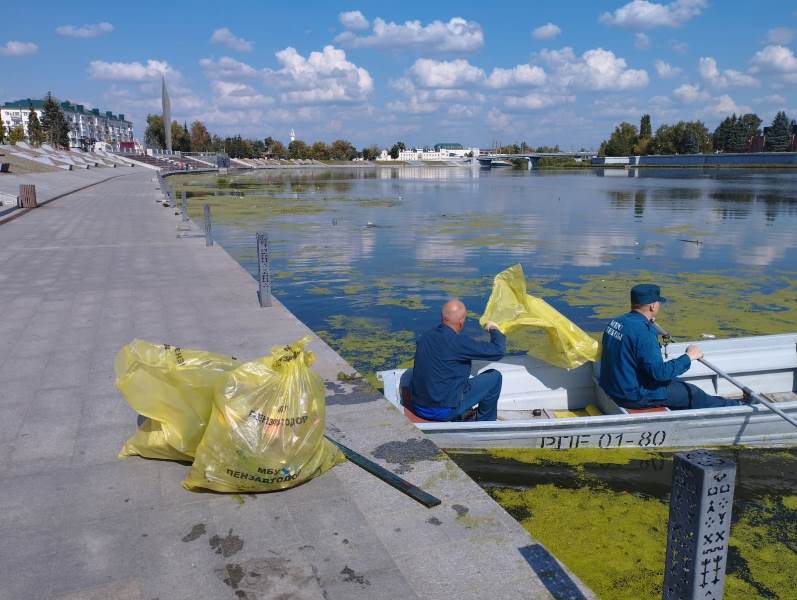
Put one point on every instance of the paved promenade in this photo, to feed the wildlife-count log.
(84, 275)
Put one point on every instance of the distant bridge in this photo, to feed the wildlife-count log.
(487, 160)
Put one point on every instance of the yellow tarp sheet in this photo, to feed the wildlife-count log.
(513, 310)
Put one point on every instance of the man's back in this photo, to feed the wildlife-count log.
(632, 369)
(443, 364)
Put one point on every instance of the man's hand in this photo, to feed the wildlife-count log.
(490, 325)
(694, 352)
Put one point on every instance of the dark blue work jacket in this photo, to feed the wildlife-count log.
(443, 364)
(632, 369)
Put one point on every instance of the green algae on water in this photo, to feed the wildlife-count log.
(754, 304)
(615, 542)
(612, 533)
(368, 344)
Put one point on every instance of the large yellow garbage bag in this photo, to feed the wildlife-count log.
(266, 431)
(512, 309)
(173, 387)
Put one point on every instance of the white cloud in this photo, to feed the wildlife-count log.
(498, 120)
(679, 47)
(666, 70)
(17, 48)
(432, 73)
(86, 31)
(518, 76)
(725, 105)
(353, 19)
(134, 71)
(227, 68)
(689, 94)
(709, 72)
(642, 14)
(596, 70)
(780, 36)
(776, 99)
(225, 37)
(641, 41)
(546, 32)
(774, 59)
(324, 77)
(537, 101)
(457, 35)
(238, 95)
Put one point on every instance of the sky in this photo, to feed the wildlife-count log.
(476, 73)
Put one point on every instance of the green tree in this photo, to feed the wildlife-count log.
(722, 134)
(319, 151)
(2, 132)
(342, 150)
(371, 152)
(645, 130)
(181, 140)
(35, 133)
(297, 149)
(779, 133)
(678, 138)
(278, 149)
(155, 134)
(53, 123)
(396, 148)
(622, 140)
(200, 137)
(691, 143)
(17, 134)
(737, 137)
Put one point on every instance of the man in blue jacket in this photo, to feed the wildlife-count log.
(633, 372)
(441, 388)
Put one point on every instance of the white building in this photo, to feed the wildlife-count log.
(440, 152)
(86, 127)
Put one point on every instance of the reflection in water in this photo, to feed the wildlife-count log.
(433, 228)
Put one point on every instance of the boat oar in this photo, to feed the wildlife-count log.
(388, 477)
(754, 395)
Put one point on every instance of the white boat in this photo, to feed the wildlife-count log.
(542, 406)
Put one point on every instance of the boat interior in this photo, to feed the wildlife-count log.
(532, 389)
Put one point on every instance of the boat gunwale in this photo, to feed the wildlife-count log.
(696, 414)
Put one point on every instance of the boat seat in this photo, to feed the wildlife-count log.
(633, 411)
(405, 400)
(413, 417)
(608, 405)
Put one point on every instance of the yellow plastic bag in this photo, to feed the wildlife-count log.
(512, 309)
(266, 430)
(173, 387)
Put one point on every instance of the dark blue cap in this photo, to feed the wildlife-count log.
(646, 293)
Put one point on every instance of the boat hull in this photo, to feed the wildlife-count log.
(743, 425)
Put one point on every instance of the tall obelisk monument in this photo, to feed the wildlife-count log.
(167, 115)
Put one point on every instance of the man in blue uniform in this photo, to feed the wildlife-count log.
(440, 388)
(633, 372)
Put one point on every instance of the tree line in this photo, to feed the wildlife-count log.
(197, 138)
(734, 134)
(52, 128)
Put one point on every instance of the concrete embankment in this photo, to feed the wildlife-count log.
(56, 184)
(84, 275)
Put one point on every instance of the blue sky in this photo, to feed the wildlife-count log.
(420, 72)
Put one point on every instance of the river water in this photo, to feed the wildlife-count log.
(366, 257)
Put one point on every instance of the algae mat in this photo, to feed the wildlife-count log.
(604, 514)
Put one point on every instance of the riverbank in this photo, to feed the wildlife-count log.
(126, 529)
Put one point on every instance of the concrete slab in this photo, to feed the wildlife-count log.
(83, 276)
